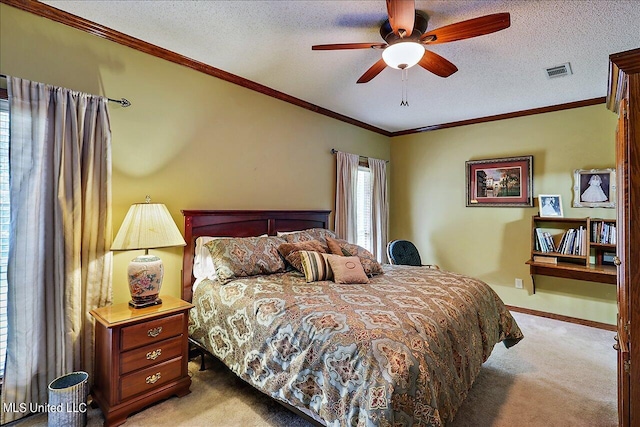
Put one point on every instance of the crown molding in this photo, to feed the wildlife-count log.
(522, 113)
(57, 15)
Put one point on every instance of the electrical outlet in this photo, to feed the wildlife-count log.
(519, 284)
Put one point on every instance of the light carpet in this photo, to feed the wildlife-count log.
(560, 374)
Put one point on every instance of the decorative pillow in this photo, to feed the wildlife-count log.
(203, 267)
(369, 262)
(347, 269)
(320, 234)
(336, 249)
(315, 266)
(291, 251)
(245, 256)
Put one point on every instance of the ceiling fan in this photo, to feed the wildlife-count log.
(406, 37)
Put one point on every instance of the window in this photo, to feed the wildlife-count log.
(4, 226)
(363, 206)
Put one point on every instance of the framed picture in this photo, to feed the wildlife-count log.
(550, 205)
(594, 188)
(500, 182)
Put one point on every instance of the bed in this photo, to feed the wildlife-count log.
(402, 349)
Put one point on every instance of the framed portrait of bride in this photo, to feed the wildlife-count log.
(550, 205)
(594, 188)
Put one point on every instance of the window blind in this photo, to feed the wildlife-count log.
(363, 208)
(4, 227)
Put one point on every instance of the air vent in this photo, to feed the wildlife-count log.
(559, 71)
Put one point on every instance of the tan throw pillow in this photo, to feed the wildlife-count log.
(347, 269)
(369, 262)
(334, 247)
(291, 251)
(315, 266)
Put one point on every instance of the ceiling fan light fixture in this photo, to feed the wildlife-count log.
(403, 55)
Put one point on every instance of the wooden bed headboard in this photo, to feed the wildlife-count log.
(240, 224)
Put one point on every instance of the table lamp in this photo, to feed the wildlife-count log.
(146, 226)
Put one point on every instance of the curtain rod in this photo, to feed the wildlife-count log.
(334, 151)
(122, 101)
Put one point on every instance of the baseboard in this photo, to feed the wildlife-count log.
(554, 316)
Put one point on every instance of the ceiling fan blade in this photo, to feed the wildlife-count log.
(467, 29)
(373, 71)
(402, 15)
(437, 64)
(339, 46)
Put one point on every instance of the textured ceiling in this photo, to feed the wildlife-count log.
(269, 42)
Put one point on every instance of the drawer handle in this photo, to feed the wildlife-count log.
(153, 355)
(151, 379)
(154, 332)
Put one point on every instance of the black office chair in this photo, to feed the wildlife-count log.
(403, 252)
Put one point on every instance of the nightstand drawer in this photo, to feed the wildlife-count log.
(147, 379)
(151, 355)
(152, 331)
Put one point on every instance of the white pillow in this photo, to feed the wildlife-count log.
(203, 267)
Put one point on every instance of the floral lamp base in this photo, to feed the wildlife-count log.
(145, 279)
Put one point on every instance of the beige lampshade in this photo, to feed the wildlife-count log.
(146, 226)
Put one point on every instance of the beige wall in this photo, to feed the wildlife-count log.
(428, 202)
(193, 141)
(190, 140)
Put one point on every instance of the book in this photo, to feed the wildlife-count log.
(604, 232)
(613, 239)
(542, 242)
(562, 243)
(545, 259)
(580, 242)
(550, 243)
(569, 242)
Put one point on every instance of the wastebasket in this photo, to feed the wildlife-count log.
(68, 400)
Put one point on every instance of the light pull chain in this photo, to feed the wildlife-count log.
(405, 79)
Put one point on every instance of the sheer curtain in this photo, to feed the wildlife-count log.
(60, 234)
(346, 187)
(379, 208)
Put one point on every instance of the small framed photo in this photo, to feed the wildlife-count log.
(500, 182)
(594, 188)
(550, 205)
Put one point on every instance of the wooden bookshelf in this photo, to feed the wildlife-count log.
(573, 265)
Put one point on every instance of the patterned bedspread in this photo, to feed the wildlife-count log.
(401, 350)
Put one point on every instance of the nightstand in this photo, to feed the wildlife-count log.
(141, 356)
